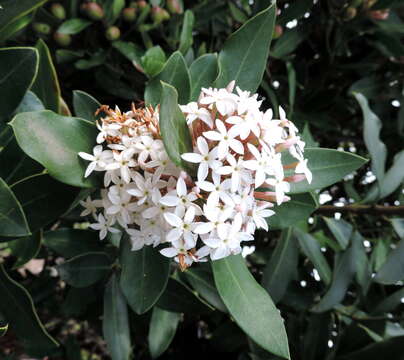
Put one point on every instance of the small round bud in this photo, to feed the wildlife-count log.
(129, 14)
(175, 6)
(93, 11)
(58, 11)
(142, 4)
(113, 33)
(62, 39)
(41, 28)
(159, 15)
(350, 13)
(278, 31)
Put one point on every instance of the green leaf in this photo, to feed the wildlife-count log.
(73, 26)
(55, 141)
(163, 326)
(287, 43)
(46, 85)
(14, 27)
(289, 213)
(130, 50)
(250, 305)
(328, 166)
(175, 73)
(113, 9)
(153, 61)
(72, 242)
(25, 249)
(203, 283)
(245, 53)
(398, 225)
(186, 37)
(316, 336)
(203, 71)
(30, 102)
(18, 69)
(392, 270)
(12, 218)
(174, 129)
(311, 248)
(389, 303)
(18, 308)
(115, 323)
(341, 230)
(282, 266)
(3, 325)
(85, 270)
(292, 87)
(144, 275)
(85, 105)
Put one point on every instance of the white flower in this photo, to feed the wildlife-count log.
(216, 219)
(261, 165)
(281, 187)
(226, 102)
(107, 130)
(147, 147)
(138, 239)
(103, 226)
(123, 161)
(98, 160)
(244, 125)
(180, 197)
(194, 112)
(237, 171)
(226, 139)
(90, 206)
(182, 227)
(218, 189)
(259, 213)
(145, 188)
(205, 158)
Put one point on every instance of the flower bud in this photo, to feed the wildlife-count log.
(350, 13)
(142, 4)
(93, 10)
(379, 14)
(129, 14)
(58, 11)
(113, 33)
(62, 39)
(175, 6)
(278, 31)
(41, 28)
(159, 15)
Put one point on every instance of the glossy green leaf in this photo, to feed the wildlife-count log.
(289, 213)
(46, 85)
(174, 129)
(282, 266)
(113, 9)
(18, 308)
(248, 45)
(287, 43)
(130, 50)
(55, 141)
(341, 230)
(72, 242)
(186, 37)
(25, 249)
(203, 283)
(86, 269)
(175, 73)
(12, 218)
(73, 26)
(19, 66)
(312, 249)
(328, 166)
(14, 27)
(392, 270)
(85, 105)
(163, 326)
(30, 102)
(144, 275)
(115, 322)
(153, 61)
(203, 71)
(398, 225)
(250, 305)
(389, 303)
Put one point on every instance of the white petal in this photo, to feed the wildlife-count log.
(213, 135)
(181, 187)
(173, 220)
(169, 200)
(169, 252)
(192, 157)
(204, 228)
(86, 156)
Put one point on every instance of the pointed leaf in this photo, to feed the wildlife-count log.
(341, 230)
(392, 270)
(25, 249)
(203, 72)
(186, 37)
(85, 105)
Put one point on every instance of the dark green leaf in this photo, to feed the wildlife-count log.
(113, 9)
(390, 303)
(86, 269)
(398, 225)
(46, 85)
(341, 230)
(250, 305)
(153, 61)
(25, 249)
(12, 218)
(282, 266)
(55, 141)
(163, 326)
(115, 323)
(14, 27)
(73, 26)
(203, 72)
(287, 43)
(316, 336)
(392, 270)
(144, 275)
(186, 37)
(19, 67)
(245, 53)
(130, 50)
(85, 105)
(18, 308)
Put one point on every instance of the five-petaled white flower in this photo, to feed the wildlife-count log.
(104, 225)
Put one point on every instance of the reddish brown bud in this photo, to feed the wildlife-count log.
(278, 31)
(93, 11)
(58, 11)
(159, 15)
(62, 39)
(175, 6)
(379, 14)
(129, 14)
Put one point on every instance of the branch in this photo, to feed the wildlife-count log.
(360, 209)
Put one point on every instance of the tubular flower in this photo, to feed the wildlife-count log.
(246, 161)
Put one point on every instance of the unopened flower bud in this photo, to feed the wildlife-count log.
(93, 10)
(62, 39)
(41, 28)
(159, 15)
(58, 11)
(113, 33)
(379, 14)
(175, 6)
(142, 4)
(350, 13)
(129, 14)
(278, 31)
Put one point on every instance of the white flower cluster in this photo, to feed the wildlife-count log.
(237, 149)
